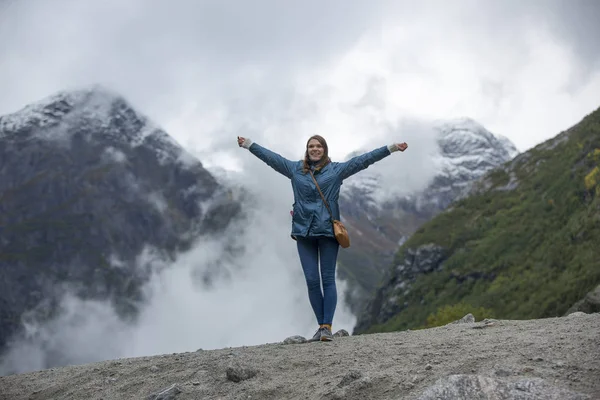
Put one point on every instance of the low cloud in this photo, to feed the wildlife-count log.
(210, 297)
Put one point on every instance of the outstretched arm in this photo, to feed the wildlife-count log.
(272, 159)
(358, 163)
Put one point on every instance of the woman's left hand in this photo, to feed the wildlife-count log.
(401, 146)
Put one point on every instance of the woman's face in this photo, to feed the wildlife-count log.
(315, 150)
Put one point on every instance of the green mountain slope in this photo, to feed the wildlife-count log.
(525, 244)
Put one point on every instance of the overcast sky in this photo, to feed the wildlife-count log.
(361, 73)
(281, 71)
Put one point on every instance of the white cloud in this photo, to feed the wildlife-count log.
(211, 70)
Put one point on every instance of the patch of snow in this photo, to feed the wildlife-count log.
(112, 154)
(116, 262)
(54, 117)
(42, 113)
(187, 159)
(165, 155)
(157, 200)
(139, 138)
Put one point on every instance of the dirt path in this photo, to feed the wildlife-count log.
(545, 356)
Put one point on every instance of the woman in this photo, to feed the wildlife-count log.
(311, 223)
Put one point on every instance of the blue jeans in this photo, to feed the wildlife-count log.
(310, 250)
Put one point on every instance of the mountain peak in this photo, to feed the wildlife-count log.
(79, 96)
(50, 110)
(465, 122)
(463, 135)
(94, 104)
(466, 150)
(466, 133)
(94, 113)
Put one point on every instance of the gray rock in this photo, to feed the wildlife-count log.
(467, 319)
(477, 387)
(423, 259)
(238, 372)
(576, 314)
(341, 333)
(589, 304)
(166, 394)
(295, 340)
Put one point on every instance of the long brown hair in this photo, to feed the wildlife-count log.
(324, 160)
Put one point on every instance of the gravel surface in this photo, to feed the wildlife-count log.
(554, 358)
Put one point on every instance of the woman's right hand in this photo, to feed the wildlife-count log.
(241, 140)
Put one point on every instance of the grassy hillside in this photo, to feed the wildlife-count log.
(526, 245)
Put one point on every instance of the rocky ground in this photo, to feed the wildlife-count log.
(555, 358)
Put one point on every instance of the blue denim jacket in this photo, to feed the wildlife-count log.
(310, 215)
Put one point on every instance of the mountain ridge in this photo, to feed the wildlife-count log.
(379, 220)
(501, 248)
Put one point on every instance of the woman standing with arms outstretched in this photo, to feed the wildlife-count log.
(311, 220)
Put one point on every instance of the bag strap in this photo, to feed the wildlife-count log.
(323, 197)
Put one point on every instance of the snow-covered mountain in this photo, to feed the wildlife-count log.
(467, 152)
(87, 185)
(59, 117)
(380, 221)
